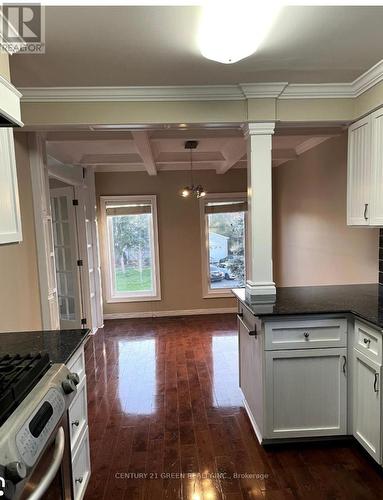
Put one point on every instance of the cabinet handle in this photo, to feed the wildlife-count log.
(250, 332)
(79, 480)
(367, 342)
(306, 335)
(344, 364)
(76, 423)
(365, 211)
(376, 381)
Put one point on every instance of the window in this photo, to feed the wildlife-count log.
(131, 248)
(223, 222)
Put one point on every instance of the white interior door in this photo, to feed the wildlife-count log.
(66, 256)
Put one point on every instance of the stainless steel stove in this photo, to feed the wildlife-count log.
(34, 438)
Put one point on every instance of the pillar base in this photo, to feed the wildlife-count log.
(260, 293)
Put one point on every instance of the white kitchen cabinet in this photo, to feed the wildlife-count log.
(306, 393)
(81, 466)
(251, 372)
(359, 172)
(10, 222)
(367, 404)
(365, 171)
(78, 431)
(376, 217)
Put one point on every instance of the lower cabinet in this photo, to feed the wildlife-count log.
(251, 373)
(81, 466)
(306, 393)
(78, 429)
(367, 404)
(298, 382)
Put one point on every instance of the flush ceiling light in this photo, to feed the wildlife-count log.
(231, 30)
(196, 190)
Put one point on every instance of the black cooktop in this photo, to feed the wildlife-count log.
(18, 375)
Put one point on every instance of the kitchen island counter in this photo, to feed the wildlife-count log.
(364, 301)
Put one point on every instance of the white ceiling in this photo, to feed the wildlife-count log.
(121, 46)
(156, 150)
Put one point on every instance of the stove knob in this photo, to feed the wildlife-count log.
(74, 378)
(15, 471)
(68, 386)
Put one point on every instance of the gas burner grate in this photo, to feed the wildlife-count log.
(18, 375)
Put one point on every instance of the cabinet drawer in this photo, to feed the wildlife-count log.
(368, 341)
(78, 414)
(77, 363)
(305, 333)
(81, 466)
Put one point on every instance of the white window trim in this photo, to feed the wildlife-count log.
(207, 292)
(137, 296)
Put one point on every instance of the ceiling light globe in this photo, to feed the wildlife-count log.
(185, 192)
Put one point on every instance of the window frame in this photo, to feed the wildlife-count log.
(207, 292)
(143, 296)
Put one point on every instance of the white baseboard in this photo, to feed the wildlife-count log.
(160, 314)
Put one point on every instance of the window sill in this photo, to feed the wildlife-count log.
(144, 298)
(218, 295)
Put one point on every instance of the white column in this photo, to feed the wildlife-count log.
(260, 286)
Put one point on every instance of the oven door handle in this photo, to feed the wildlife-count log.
(58, 454)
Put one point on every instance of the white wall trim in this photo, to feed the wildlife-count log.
(161, 314)
(236, 92)
(318, 91)
(368, 79)
(137, 93)
(261, 128)
(257, 90)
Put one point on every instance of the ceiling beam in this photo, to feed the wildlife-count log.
(311, 143)
(142, 142)
(233, 152)
(284, 154)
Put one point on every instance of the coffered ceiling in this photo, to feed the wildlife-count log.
(156, 150)
(124, 46)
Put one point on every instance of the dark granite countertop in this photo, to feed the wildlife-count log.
(59, 344)
(364, 301)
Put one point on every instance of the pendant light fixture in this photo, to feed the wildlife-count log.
(196, 190)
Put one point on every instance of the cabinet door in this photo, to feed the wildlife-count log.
(251, 374)
(10, 223)
(306, 393)
(376, 215)
(367, 404)
(359, 173)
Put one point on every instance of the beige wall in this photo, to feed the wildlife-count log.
(4, 66)
(312, 244)
(179, 234)
(19, 291)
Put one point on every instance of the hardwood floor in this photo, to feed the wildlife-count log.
(167, 422)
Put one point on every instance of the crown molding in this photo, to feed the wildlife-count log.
(257, 90)
(318, 91)
(240, 92)
(148, 93)
(368, 79)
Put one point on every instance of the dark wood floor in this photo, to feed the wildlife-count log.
(167, 422)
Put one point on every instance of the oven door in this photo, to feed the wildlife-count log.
(51, 478)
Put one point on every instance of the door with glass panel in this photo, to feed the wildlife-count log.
(66, 255)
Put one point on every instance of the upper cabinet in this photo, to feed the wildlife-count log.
(365, 171)
(10, 223)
